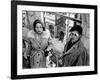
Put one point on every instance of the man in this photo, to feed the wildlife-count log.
(75, 54)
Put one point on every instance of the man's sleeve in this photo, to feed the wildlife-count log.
(72, 60)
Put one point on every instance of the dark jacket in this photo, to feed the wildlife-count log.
(76, 56)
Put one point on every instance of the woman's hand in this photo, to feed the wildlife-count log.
(60, 55)
(60, 61)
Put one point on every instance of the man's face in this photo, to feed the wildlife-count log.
(74, 36)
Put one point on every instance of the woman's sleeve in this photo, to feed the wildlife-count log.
(48, 36)
(30, 34)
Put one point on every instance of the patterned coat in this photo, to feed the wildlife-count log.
(39, 43)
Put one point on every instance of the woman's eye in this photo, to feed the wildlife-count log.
(41, 27)
(37, 27)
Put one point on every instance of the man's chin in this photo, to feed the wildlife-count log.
(73, 41)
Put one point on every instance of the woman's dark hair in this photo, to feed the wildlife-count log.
(35, 22)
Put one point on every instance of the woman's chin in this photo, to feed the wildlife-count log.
(39, 32)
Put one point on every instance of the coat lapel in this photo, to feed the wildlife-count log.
(73, 48)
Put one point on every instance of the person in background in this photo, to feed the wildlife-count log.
(75, 54)
(39, 37)
(25, 42)
(57, 46)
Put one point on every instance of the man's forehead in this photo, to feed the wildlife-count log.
(74, 32)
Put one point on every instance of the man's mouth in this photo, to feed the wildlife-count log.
(39, 31)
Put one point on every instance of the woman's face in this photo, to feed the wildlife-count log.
(39, 28)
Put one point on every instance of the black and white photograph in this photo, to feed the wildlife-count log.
(53, 38)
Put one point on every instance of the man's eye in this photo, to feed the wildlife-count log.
(41, 27)
(71, 34)
(74, 34)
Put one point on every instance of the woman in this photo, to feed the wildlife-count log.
(39, 39)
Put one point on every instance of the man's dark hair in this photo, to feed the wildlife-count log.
(35, 22)
(77, 28)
